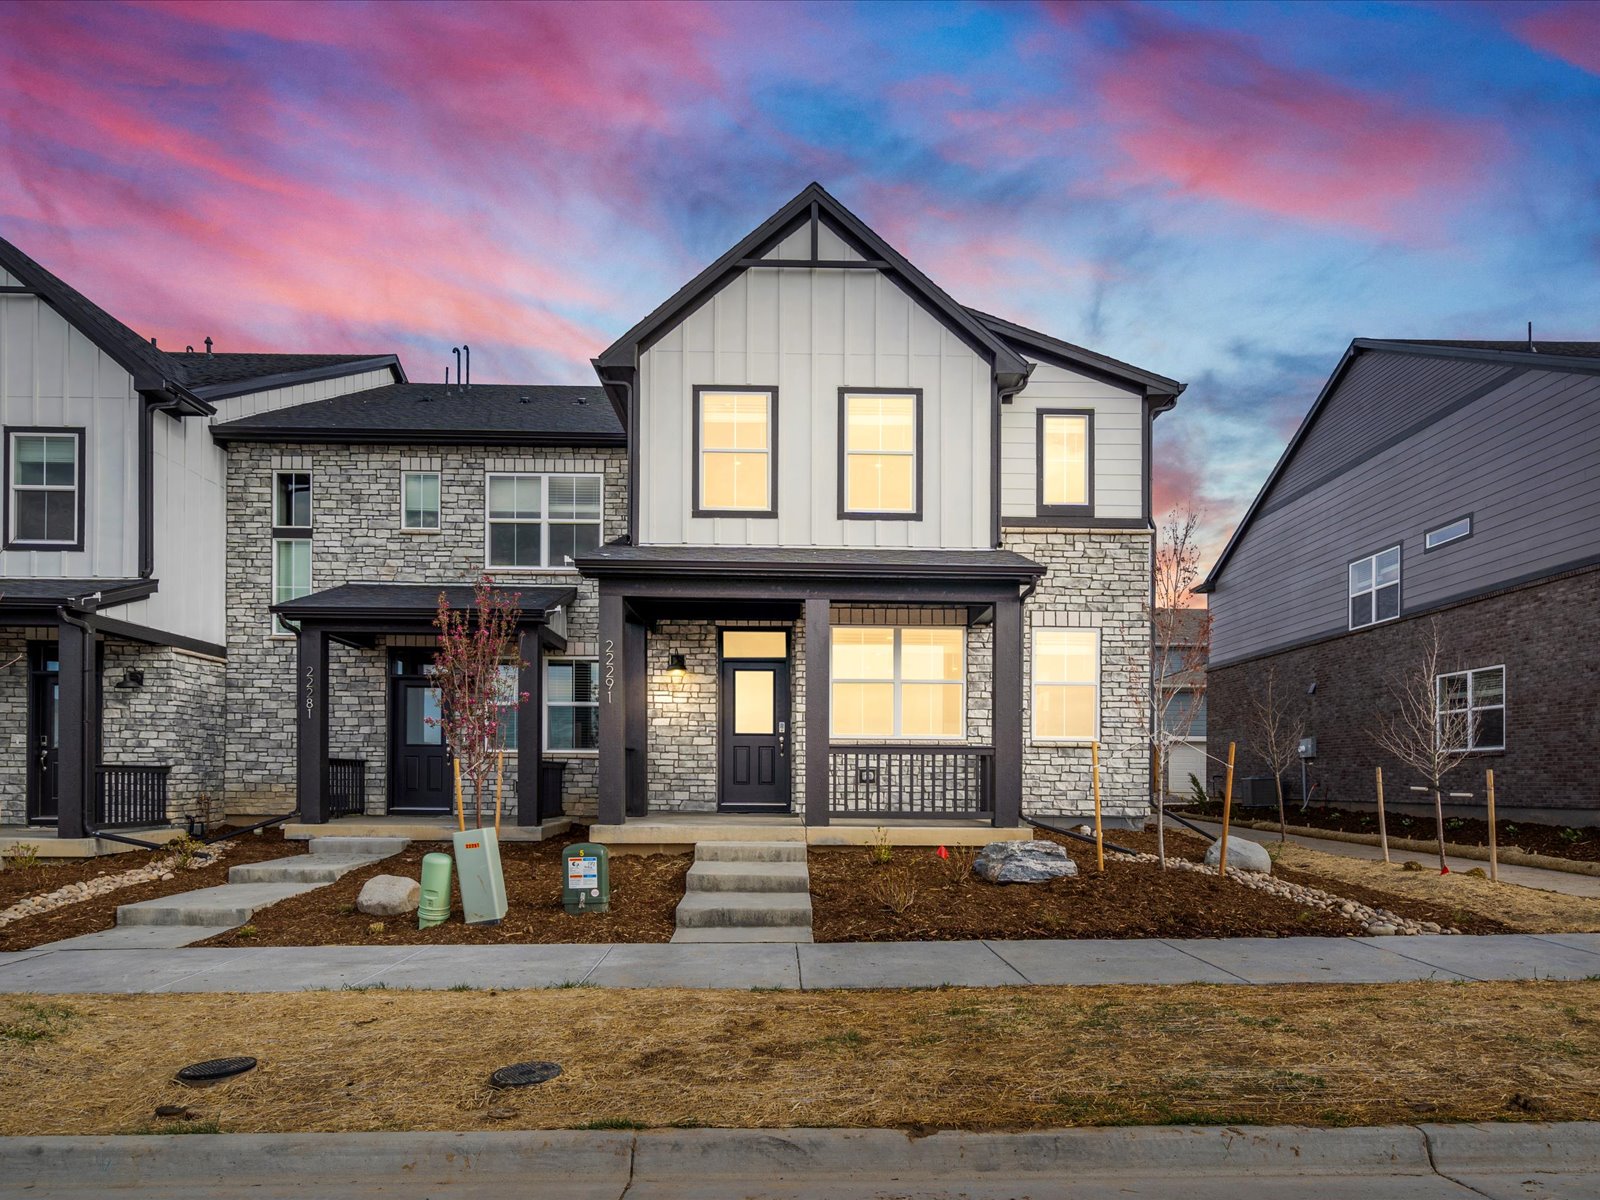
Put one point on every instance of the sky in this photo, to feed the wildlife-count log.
(1222, 193)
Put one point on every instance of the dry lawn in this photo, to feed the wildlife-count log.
(1527, 909)
(933, 1059)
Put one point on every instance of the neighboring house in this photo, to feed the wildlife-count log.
(1449, 482)
(1181, 678)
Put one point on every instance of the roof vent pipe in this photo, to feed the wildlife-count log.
(208, 347)
(456, 350)
(1532, 349)
(468, 351)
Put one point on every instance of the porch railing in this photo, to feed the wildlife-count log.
(910, 781)
(126, 796)
(347, 787)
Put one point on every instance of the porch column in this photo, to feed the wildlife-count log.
(530, 727)
(614, 682)
(78, 710)
(1008, 713)
(819, 697)
(311, 724)
(636, 712)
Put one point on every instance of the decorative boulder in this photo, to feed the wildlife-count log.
(1023, 862)
(389, 896)
(1242, 854)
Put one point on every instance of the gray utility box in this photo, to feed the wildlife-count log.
(483, 883)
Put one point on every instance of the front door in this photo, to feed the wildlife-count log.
(44, 732)
(753, 775)
(419, 762)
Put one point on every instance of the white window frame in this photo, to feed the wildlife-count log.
(66, 434)
(515, 705)
(311, 498)
(1472, 708)
(438, 508)
(1035, 683)
(300, 533)
(1432, 541)
(897, 681)
(544, 718)
(544, 520)
(1351, 591)
(279, 629)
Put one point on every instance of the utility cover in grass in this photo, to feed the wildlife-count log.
(1023, 862)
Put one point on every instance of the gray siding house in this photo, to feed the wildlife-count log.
(1456, 482)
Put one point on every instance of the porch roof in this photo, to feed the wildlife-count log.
(408, 607)
(786, 563)
(84, 595)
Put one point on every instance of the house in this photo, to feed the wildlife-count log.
(809, 464)
(1433, 484)
(1181, 639)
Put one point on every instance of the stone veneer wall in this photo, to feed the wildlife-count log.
(176, 717)
(14, 748)
(1097, 580)
(357, 537)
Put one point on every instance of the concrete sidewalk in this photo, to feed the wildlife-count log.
(1426, 1162)
(808, 967)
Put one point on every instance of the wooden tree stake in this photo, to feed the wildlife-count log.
(1227, 813)
(1383, 828)
(499, 777)
(461, 810)
(1099, 834)
(1494, 854)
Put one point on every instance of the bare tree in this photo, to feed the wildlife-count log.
(1429, 737)
(1180, 645)
(1274, 727)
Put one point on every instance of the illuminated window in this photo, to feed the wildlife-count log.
(878, 441)
(734, 456)
(1066, 476)
(899, 683)
(1066, 685)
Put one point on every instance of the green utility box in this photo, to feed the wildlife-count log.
(483, 884)
(588, 879)
(434, 906)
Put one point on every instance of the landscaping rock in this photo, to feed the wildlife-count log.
(1243, 854)
(389, 896)
(1023, 862)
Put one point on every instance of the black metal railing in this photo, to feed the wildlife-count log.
(126, 796)
(910, 781)
(347, 787)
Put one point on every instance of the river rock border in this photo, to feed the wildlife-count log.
(88, 889)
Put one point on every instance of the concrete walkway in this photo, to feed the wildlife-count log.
(1532, 877)
(808, 967)
(1405, 1162)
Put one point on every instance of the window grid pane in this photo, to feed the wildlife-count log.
(572, 712)
(542, 520)
(1471, 709)
(44, 499)
(1375, 588)
(421, 500)
(890, 682)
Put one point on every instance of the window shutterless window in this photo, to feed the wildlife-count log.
(1375, 588)
(1472, 709)
(541, 521)
(572, 704)
(1445, 534)
(735, 452)
(1066, 463)
(506, 701)
(419, 500)
(880, 453)
(291, 574)
(1066, 685)
(291, 500)
(45, 496)
(899, 683)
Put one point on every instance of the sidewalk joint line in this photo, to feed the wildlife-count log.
(1549, 939)
(1179, 947)
(1447, 970)
(235, 957)
(598, 963)
(1007, 963)
(399, 962)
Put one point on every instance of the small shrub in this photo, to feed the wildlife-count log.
(347, 908)
(895, 890)
(1569, 836)
(246, 931)
(958, 864)
(1197, 790)
(185, 849)
(375, 927)
(880, 852)
(209, 811)
(1477, 873)
(24, 855)
(1411, 864)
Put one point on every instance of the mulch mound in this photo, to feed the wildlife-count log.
(645, 891)
(100, 912)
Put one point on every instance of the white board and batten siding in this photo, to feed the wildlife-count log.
(1118, 442)
(811, 332)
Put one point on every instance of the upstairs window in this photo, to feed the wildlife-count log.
(1472, 709)
(291, 500)
(46, 496)
(1066, 463)
(880, 442)
(291, 539)
(734, 452)
(1445, 534)
(1375, 588)
(542, 521)
(899, 683)
(419, 501)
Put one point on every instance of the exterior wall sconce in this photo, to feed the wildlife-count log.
(133, 677)
(676, 666)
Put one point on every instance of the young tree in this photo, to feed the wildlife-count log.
(1274, 727)
(1423, 734)
(473, 646)
(1180, 645)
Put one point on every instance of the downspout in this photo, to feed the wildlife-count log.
(1003, 395)
(147, 489)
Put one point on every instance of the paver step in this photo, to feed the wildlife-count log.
(700, 910)
(298, 868)
(359, 847)
(766, 933)
(750, 852)
(748, 877)
(227, 904)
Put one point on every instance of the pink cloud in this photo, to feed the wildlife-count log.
(1570, 32)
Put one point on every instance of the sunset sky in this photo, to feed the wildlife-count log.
(1223, 193)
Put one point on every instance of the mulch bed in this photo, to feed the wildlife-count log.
(645, 891)
(100, 912)
(1131, 900)
(1558, 841)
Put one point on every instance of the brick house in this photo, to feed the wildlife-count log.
(1431, 483)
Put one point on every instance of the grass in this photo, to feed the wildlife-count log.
(34, 1021)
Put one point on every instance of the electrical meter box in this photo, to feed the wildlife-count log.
(588, 879)
(483, 884)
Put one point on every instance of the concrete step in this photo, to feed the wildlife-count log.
(298, 868)
(748, 877)
(770, 933)
(360, 847)
(226, 905)
(750, 852)
(700, 910)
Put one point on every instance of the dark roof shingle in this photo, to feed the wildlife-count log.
(1560, 349)
(210, 370)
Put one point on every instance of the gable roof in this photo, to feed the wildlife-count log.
(218, 375)
(1555, 356)
(423, 413)
(1078, 358)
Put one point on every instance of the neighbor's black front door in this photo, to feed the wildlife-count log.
(419, 763)
(753, 775)
(44, 732)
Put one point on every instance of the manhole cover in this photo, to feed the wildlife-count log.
(214, 1070)
(525, 1073)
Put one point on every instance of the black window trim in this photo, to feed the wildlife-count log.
(80, 485)
(1400, 602)
(760, 514)
(1472, 528)
(1063, 510)
(295, 531)
(860, 514)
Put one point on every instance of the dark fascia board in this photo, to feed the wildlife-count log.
(623, 353)
(263, 383)
(1077, 358)
(1554, 362)
(225, 435)
(110, 597)
(723, 568)
(334, 616)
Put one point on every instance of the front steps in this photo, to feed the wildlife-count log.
(746, 892)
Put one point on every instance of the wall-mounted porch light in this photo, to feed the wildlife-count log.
(676, 666)
(133, 677)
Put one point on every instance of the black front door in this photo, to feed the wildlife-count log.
(419, 763)
(44, 732)
(753, 775)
